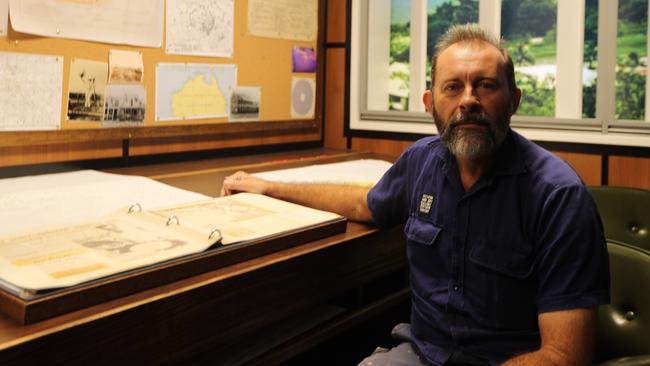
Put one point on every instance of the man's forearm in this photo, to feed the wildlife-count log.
(346, 200)
(567, 336)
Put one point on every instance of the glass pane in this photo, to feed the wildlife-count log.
(631, 59)
(442, 14)
(400, 46)
(590, 57)
(529, 29)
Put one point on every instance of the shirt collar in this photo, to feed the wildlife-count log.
(509, 159)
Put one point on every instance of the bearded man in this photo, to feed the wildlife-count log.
(507, 257)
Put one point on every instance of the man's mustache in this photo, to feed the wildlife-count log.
(477, 118)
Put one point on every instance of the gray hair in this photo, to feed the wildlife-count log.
(473, 33)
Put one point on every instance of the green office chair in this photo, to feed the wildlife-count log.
(625, 213)
(624, 325)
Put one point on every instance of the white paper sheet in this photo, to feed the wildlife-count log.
(4, 17)
(137, 23)
(30, 96)
(286, 19)
(36, 202)
(200, 27)
(364, 172)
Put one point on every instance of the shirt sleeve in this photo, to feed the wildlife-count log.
(572, 261)
(388, 199)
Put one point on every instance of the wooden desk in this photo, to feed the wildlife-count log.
(237, 314)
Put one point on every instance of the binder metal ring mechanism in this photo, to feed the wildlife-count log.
(216, 231)
(171, 219)
(135, 208)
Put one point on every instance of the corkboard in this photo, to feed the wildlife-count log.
(263, 62)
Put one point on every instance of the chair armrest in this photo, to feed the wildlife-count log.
(643, 360)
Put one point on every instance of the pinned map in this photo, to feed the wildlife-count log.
(191, 91)
(200, 27)
(30, 96)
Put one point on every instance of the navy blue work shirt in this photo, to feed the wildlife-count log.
(524, 239)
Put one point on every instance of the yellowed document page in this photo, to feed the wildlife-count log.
(70, 255)
(285, 19)
(247, 216)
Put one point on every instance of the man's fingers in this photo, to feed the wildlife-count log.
(242, 182)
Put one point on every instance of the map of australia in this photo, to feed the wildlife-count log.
(189, 91)
(198, 98)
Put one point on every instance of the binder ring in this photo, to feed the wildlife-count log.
(134, 207)
(216, 231)
(171, 219)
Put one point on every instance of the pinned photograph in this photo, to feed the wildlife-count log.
(86, 90)
(126, 67)
(245, 104)
(304, 59)
(125, 105)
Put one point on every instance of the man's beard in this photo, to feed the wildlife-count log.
(471, 143)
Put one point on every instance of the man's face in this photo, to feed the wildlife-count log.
(470, 99)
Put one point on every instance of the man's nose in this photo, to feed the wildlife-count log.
(469, 100)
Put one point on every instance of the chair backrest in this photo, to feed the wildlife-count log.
(625, 213)
(624, 325)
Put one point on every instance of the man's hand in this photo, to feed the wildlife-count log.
(243, 182)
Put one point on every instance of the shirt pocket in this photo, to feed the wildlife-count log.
(503, 286)
(504, 261)
(423, 250)
(421, 232)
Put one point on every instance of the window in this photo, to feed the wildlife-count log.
(631, 59)
(400, 44)
(529, 28)
(587, 85)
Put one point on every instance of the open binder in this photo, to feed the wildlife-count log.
(135, 238)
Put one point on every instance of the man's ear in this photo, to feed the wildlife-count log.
(515, 101)
(427, 99)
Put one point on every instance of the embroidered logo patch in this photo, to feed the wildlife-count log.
(425, 203)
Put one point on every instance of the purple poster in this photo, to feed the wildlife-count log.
(304, 59)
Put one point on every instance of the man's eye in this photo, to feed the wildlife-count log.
(487, 85)
(451, 87)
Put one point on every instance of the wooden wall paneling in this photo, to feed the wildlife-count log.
(335, 99)
(147, 146)
(35, 154)
(588, 166)
(627, 171)
(336, 21)
(393, 148)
